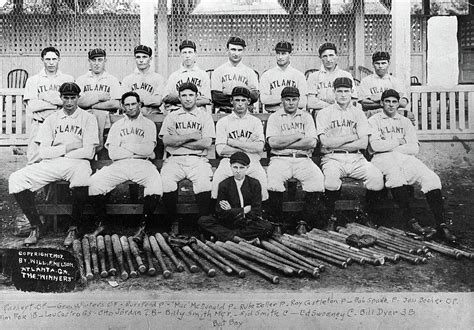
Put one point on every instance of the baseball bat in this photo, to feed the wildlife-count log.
(214, 254)
(325, 249)
(147, 248)
(93, 251)
(321, 267)
(404, 239)
(315, 249)
(246, 263)
(117, 246)
(136, 254)
(101, 253)
(126, 250)
(377, 251)
(211, 272)
(78, 255)
(165, 247)
(156, 250)
(110, 255)
(199, 250)
(188, 262)
(87, 258)
(242, 273)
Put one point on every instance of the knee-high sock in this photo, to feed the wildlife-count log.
(436, 203)
(149, 205)
(79, 198)
(26, 200)
(371, 199)
(203, 201)
(331, 197)
(170, 201)
(311, 204)
(400, 195)
(275, 205)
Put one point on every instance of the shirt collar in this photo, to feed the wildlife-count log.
(323, 69)
(193, 68)
(396, 117)
(282, 113)
(181, 111)
(234, 115)
(44, 74)
(63, 114)
(137, 71)
(139, 117)
(103, 74)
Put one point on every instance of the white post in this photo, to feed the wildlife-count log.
(401, 40)
(359, 37)
(147, 24)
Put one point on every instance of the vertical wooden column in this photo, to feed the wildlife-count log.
(401, 40)
(359, 45)
(162, 39)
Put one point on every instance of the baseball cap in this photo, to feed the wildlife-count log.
(326, 46)
(380, 56)
(142, 49)
(187, 44)
(236, 41)
(188, 85)
(342, 82)
(390, 93)
(240, 157)
(69, 88)
(290, 92)
(241, 91)
(283, 46)
(98, 52)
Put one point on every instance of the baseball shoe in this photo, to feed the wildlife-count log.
(139, 234)
(277, 230)
(364, 219)
(332, 221)
(33, 238)
(415, 227)
(174, 230)
(446, 234)
(71, 236)
(98, 229)
(301, 228)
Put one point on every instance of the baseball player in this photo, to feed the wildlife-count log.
(187, 135)
(42, 96)
(130, 143)
(240, 131)
(274, 80)
(394, 145)
(100, 91)
(146, 82)
(232, 74)
(239, 206)
(343, 130)
(291, 134)
(67, 140)
(372, 87)
(188, 72)
(320, 88)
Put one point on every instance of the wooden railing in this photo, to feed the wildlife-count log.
(441, 113)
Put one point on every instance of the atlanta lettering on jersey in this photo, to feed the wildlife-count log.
(377, 90)
(239, 133)
(282, 83)
(97, 88)
(188, 125)
(292, 127)
(67, 128)
(194, 80)
(132, 130)
(392, 130)
(45, 88)
(235, 77)
(342, 123)
(144, 86)
(325, 84)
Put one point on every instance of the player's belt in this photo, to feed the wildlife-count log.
(180, 155)
(37, 120)
(343, 152)
(291, 155)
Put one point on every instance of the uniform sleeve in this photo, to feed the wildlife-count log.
(206, 85)
(362, 123)
(374, 128)
(113, 138)
(90, 140)
(355, 94)
(80, 83)
(31, 92)
(216, 84)
(126, 84)
(401, 88)
(221, 134)
(265, 88)
(167, 123)
(273, 129)
(410, 135)
(309, 127)
(322, 123)
(303, 88)
(364, 88)
(170, 85)
(258, 130)
(312, 83)
(208, 129)
(115, 89)
(160, 85)
(253, 79)
(45, 137)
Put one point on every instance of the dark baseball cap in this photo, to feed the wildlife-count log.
(240, 157)
(283, 46)
(342, 82)
(380, 56)
(98, 52)
(390, 93)
(236, 41)
(187, 44)
(143, 49)
(290, 92)
(241, 91)
(69, 88)
(326, 46)
(188, 85)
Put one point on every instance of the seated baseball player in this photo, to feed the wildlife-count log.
(188, 72)
(320, 83)
(282, 75)
(394, 144)
(145, 81)
(130, 143)
(291, 134)
(239, 206)
(343, 130)
(240, 131)
(232, 74)
(67, 142)
(371, 87)
(187, 135)
(100, 91)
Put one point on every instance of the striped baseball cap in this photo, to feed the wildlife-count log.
(69, 88)
(143, 49)
(98, 52)
(283, 46)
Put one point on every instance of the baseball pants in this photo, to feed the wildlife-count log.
(32, 152)
(195, 168)
(103, 122)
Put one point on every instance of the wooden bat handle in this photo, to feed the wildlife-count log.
(93, 250)
(201, 251)
(242, 273)
(119, 255)
(211, 272)
(192, 267)
(165, 247)
(147, 248)
(156, 250)
(136, 254)
(101, 252)
(126, 249)
(110, 255)
(77, 248)
(87, 258)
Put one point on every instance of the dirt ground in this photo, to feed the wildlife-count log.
(439, 274)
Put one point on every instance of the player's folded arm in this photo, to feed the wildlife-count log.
(145, 148)
(117, 152)
(36, 105)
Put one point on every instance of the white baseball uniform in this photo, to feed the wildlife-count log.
(293, 163)
(227, 76)
(396, 161)
(274, 80)
(130, 144)
(41, 87)
(184, 162)
(58, 130)
(247, 129)
(194, 75)
(146, 84)
(372, 87)
(334, 121)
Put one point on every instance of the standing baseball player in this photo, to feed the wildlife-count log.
(146, 82)
(372, 87)
(320, 83)
(291, 134)
(100, 91)
(343, 130)
(240, 131)
(67, 140)
(130, 143)
(188, 72)
(239, 206)
(187, 135)
(395, 144)
(274, 80)
(232, 74)
(42, 96)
